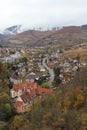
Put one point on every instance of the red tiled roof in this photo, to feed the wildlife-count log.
(19, 87)
(22, 85)
(41, 90)
(28, 95)
(25, 96)
(18, 103)
(32, 92)
(33, 88)
(32, 85)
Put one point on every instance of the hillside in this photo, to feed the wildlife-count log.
(2, 36)
(67, 36)
(26, 38)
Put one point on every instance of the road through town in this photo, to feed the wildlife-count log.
(51, 72)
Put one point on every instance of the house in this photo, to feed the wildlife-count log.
(20, 106)
(15, 80)
(40, 91)
(75, 68)
(20, 89)
(26, 93)
(24, 101)
(42, 69)
(31, 77)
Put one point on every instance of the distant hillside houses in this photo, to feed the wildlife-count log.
(11, 58)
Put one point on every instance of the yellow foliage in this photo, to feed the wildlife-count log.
(47, 116)
(67, 101)
(79, 101)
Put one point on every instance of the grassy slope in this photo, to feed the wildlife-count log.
(77, 52)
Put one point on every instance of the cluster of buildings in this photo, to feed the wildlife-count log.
(28, 72)
(25, 90)
(8, 55)
(25, 94)
(68, 66)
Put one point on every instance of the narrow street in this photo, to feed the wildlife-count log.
(51, 72)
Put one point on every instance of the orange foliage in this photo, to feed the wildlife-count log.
(80, 100)
(77, 90)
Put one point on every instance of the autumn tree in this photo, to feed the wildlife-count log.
(6, 106)
(19, 123)
(57, 80)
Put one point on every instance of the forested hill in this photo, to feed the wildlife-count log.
(67, 36)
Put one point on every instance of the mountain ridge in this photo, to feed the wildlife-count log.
(32, 38)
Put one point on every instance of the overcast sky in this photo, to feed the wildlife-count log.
(35, 13)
